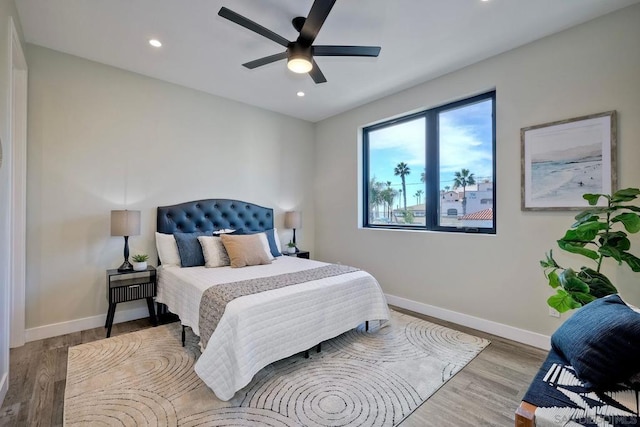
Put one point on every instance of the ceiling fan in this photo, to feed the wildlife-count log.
(300, 53)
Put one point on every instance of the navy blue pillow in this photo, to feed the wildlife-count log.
(270, 238)
(189, 248)
(601, 341)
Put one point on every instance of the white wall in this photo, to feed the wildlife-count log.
(591, 68)
(100, 136)
(7, 12)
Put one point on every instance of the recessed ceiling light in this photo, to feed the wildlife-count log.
(301, 93)
(155, 43)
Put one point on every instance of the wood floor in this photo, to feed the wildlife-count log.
(485, 393)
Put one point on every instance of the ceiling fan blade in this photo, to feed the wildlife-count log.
(316, 74)
(317, 15)
(250, 25)
(346, 50)
(266, 60)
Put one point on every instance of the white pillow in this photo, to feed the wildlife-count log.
(215, 255)
(167, 250)
(265, 244)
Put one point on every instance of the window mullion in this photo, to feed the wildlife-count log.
(432, 168)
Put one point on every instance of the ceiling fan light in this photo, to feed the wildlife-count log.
(299, 65)
(299, 58)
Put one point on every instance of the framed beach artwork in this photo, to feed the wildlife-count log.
(563, 160)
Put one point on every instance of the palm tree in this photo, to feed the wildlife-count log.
(418, 196)
(462, 179)
(423, 176)
(375, 196)
(403, 170)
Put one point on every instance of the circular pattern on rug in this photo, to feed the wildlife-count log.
(442, 342)
(384, 345)
(335, 393)
(129, 407)
(241, 417)
(101, 356)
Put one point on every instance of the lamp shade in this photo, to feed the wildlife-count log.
(292, 219)
(125, 223)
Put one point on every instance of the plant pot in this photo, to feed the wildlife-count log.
(139, 266)
(291, 250)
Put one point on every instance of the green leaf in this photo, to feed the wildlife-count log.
(593, 198)
(599, 284)
(571, 282)
(549, 262)
(591, 214)
(575, 249)
(589, 230)
(611, 252)
(630, 207)
(621, 243)
(625, 195)
(631, 221)
(582, 297)
(572, 236)
(554, 281)
(562, 301)
(632, 261)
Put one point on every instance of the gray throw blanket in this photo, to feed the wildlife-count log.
(215, 299)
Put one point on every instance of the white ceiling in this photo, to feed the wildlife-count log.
(420, 40)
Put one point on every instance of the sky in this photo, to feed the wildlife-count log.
(465, 142)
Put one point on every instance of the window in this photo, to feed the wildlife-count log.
(433, 170)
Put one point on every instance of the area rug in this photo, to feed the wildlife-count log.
(360, 378)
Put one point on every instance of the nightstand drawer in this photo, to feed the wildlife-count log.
(130, 292)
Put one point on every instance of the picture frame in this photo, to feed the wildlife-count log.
(562, 160)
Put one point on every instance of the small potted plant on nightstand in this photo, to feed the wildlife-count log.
(140, 262)
(291, 247)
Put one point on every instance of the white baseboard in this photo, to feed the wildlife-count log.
(4, 387)
(505, 331)
(62, 328)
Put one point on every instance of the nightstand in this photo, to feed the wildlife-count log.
(300, 254)
(130, 286)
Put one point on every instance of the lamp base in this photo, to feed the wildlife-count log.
(126, 266)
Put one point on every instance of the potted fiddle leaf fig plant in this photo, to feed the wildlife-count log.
(600, 232)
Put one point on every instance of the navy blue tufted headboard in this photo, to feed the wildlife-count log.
(213, 214)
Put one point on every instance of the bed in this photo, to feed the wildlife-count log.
(258, 329)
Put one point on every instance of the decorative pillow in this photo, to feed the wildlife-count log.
(245, 250)
(167, 249)
(269, 242)
(601, 341)
(189, 249)
(277, 240)
(272, 239)
(215, 255)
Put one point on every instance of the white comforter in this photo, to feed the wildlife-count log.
(259, 329)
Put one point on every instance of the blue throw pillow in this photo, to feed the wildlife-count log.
(189, 248)
(601, 341)
(270, 238)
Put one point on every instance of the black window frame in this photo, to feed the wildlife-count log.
(432, 167)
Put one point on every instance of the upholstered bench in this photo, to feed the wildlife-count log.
(590, 377)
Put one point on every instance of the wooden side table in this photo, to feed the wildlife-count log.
(300, 254)
(130, 286)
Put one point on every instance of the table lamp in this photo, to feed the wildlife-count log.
(292, 220)
(125, 223)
